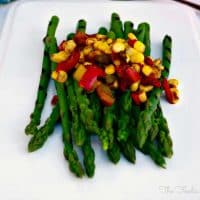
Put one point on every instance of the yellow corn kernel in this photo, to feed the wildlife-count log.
(109, 41)
(142, 96)
(131, 36)
(146, 88)
(120, 40)
(81, 59)
(147, 70)
(136, 67)
(100, 36)
(59, 57)
(157, 62)
(116, 62)
(129, 53)
(97, 44)
(115, 84)
(70, 46)
(110, 69)
(118, 47)
(134, 86)
(137, 57)
(60, 76)
(173, 83)
(79, 72)
(90, 41)
(87, 63)
(54, 75)
(87, 50)
(175, 92)
(139, 46)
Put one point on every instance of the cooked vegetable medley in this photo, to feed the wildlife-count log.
(107, 85)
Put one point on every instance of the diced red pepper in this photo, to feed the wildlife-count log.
(105, 95)
(135, 97)
(123, 84)
(131, 42)
(149, 61)
(60, 47)
(151, 80)
(70, 63)
(168, 93)
(80, 38)
(90, 76)
(54, 100)
(132, 75)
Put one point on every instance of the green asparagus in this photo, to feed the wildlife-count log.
(69, 152)
(31, 128)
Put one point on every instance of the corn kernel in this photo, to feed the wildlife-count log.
(70, 46)
(87, 50)
(81, 59)
(87, 63)
(156, 72)
(54, 75)
(157, 62)
(131, 36)
(97, 44)
(142, 96)
(116, 62)
(175, 93)
(120, 40)
(110, 69)
(146, 88)
(109, 41)
(118, 47)
(147, 70)
(59, 57)
(136, 67)
(90, 41)
(134, 86)
(79, 72)
(137, 57)
(115, 84)
(60, 76)
(139, 46)
(100, 36)
(173, 83)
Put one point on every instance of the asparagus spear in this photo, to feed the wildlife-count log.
(40, 137)
(69, 153)
(70, 36)
(88, 157)
(103, 31)
(79, 133)
(125, 103)
(128, 28)
(31, 128)
(116, 26)
(140, 33)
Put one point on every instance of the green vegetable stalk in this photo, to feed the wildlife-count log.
(69, 152)
(31, 128)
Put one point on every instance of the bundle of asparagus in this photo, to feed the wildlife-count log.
(122, 124)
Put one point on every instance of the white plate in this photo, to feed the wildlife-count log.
(44, 174)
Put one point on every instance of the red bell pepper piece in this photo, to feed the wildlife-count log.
(131, 42)
(105, 95)
(135, 97)
(168, 93)
(70, 63)
(54, 100)
(80, 38)
(132, 75)
(151, 80)
(90, 77)
(149, 61)
(60, 47)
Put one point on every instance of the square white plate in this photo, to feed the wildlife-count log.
(44, 174)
